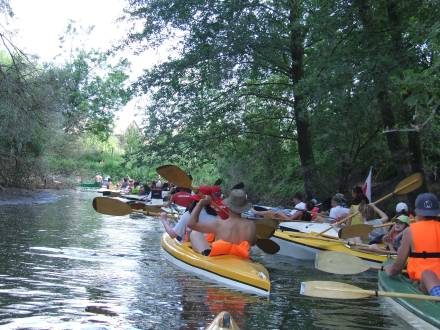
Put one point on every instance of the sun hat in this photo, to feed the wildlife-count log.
(403, 218)
(237, 201)
(427, 205)
(401, 207)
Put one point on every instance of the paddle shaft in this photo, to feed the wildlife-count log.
(383, 293)
(376, 202)
(338, 241)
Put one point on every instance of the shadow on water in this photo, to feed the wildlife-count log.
(65, 266)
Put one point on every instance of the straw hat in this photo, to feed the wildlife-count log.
(237, 201)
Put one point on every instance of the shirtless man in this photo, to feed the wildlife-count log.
(235, 229)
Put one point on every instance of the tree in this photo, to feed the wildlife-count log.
(231, 55)
(94, 90)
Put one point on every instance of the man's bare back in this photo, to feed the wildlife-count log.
(236, 230)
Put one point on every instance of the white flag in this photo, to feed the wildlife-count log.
(367, 186)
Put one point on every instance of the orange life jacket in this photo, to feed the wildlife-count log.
(426, 253)
(210, 237)
(221, 247)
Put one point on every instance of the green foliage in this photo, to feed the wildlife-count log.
(94, 90)
(254, 84)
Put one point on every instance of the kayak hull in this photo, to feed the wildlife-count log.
(421, 314)
(309, 227)
(305, 247)
(231, 271)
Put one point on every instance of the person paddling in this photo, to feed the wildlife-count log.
(234, 235)
(421, 246)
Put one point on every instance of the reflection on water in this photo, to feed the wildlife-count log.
(65, 266)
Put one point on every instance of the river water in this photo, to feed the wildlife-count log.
(64, 266)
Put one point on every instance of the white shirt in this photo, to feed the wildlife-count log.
(338, 212)
(300, 206)
(180, 227)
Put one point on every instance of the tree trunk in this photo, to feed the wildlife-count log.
(303, 139)
(394, 142)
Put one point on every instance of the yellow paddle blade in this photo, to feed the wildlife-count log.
(360, 230)
(224, 321)
(265, 227)
(110, 206)
(339, 263)
(268, 246)
(409, 184)
(332, 290)
(176, 175)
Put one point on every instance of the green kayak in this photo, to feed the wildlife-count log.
(90, 185)
(421, 314)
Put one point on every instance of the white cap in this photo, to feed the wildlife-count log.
(401, 206)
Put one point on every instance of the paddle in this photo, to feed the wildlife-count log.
(360, 230)
(268, 246)
(405, 186)
(180, 178)
(336, 290)
(340, 263)
(116, 207)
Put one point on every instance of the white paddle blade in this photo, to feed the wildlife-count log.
(332, 290)
(339, 263)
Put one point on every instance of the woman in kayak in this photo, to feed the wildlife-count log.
(296, 214)
(233, 236)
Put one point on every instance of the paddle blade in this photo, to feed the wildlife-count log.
(153, 208)
(265, 227)
(218, 182)
(176, 175)
(110, 206)
(409, 184)
(339, 263)
(332, 290)
(359, 230)
(137, 206)
(268, 246)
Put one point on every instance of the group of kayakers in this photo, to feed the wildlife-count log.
(155, 188)
(416, 239)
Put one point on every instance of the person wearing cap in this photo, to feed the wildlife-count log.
(207, 214)
(421, 246)
(234, 235)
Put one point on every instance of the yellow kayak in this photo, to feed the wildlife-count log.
(224, 321)
(232, 271)
(305, 246)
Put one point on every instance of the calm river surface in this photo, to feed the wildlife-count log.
(64, 266)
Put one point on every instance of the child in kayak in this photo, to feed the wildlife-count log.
(234, 235)
(393, 238)
(421, 246)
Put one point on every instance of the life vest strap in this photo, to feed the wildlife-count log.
(424, 255)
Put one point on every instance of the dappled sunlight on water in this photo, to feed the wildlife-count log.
(65, 266)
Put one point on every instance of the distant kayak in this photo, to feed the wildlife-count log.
(90, 185)
(232, 271)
